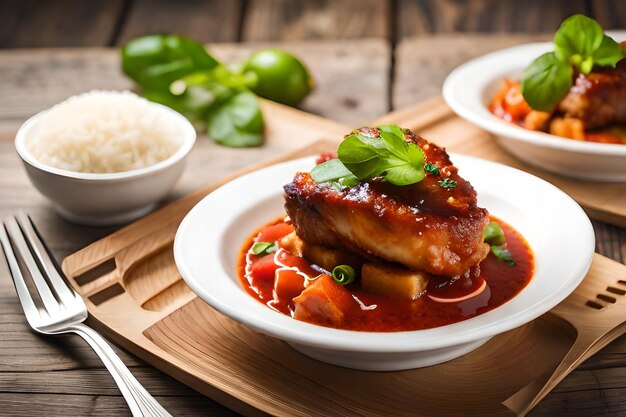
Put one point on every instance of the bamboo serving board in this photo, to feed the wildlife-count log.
(136, 297)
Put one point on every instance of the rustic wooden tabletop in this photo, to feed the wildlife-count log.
(368, 58)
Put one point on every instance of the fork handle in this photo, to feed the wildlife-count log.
(140, 402)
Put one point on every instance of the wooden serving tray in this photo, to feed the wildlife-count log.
(136, 297)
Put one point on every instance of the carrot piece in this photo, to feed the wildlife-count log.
(323, 302)
(288, 284)
(263, 269)
(274, 232)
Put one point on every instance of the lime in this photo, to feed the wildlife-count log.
(280, 76)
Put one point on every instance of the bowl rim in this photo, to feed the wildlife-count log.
(184, 126)
(491, 66)
(290, 330)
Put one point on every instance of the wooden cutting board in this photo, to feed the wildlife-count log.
(136, 297)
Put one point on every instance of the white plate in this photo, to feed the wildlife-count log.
(560, 234)
(471, 87)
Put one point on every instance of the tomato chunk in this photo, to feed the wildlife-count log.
(288, 284)
(263, 269)
(292, 261)
(274, 232)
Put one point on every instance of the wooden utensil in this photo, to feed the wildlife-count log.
(596, 312)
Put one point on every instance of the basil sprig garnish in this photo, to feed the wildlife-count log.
(362, 156)
(580, 43)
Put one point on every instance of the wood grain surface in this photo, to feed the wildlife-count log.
(59, 377)
(41, 23)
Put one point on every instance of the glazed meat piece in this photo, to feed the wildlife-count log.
(599, 98)
(422, 226)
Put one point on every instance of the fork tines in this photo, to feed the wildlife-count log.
(18, 237)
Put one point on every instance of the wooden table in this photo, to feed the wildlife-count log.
(391, 54)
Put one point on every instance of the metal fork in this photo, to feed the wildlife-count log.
(61, 309)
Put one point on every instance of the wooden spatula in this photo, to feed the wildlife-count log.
(597, 313)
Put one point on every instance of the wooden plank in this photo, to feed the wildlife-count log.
(351, 87)
(203, 20)
(55, 405)
(422, 64)
(610, 13)
(420, 17)
(32, 23)
(287, 20)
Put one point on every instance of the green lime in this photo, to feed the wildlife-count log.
(280, 76)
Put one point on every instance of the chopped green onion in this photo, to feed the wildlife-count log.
(432, 168)
(447, 183)
(503, 254)
(263, 248)
(344, 274)
(493, 234)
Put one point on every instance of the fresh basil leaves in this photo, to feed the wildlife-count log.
(546, 81)
(179, 72)
(363, 156)
(580, 43)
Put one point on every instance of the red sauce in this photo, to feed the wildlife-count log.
(503, 282)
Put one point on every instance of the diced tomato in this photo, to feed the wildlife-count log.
(274, 232)
(288, 284)
(292, 261)
(263, 269)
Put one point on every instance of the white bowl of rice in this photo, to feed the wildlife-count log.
(105, 157)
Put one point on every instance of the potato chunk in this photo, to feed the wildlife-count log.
(319, 255)
(329, 258)
(393, 281)
(292, 244)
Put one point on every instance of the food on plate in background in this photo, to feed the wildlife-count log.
(386, 236)
(576, 92)
(103, 132)
(179, 72)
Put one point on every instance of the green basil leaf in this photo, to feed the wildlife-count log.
(396, 145)
(578, 35)
(608, 53)
(546, 81)
(355, 150)
(359, 157)
(331, 170)
(156, 61)
(392, 129)
(236, 121)
(371, 141)
(404, 175)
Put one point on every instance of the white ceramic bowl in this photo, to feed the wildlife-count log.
(101, 199)
(560, 234)
(469, 89)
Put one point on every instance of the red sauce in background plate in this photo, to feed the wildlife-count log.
(503, 282)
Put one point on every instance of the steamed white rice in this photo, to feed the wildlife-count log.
(104, 132)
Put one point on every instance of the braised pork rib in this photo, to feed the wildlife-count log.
(422, 226)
